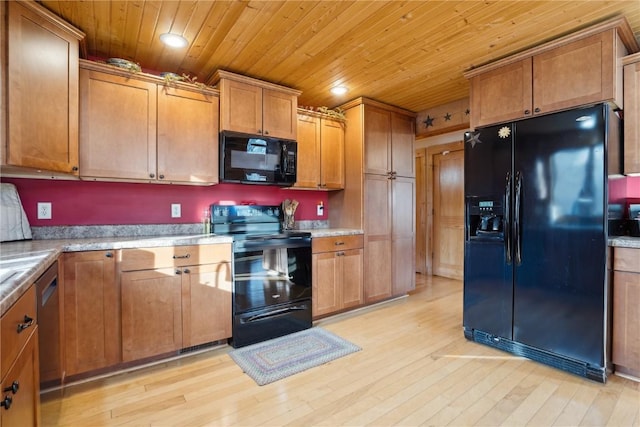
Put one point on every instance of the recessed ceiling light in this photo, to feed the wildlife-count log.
(339, 90)
(173, 40)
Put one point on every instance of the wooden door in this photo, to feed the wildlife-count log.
(377, 246)
(352, 278)
(42, 91)
(91, 311)
(502, 94)
(187, 136)
(308, 162)
(117, 127)
(240, 107)
(448, 218)
(575, 74)
(151, 312)
(402, 137)
(331, 154)
(403, 234)
(326, 283)
(206, 303)
(421, 211)
(632, 116)
(377, 141)
(279, 114)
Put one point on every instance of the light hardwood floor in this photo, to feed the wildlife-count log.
(415, 368)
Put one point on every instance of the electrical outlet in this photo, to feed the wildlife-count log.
(176, 210)
(44, 210)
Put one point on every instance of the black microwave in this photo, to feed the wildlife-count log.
(253, 159)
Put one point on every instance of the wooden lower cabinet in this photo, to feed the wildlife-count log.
(165, 308)
(337, 264)
(91, 306)
(625, 353)
(20, 379)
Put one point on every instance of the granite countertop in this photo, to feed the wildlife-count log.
(624, 242)
(22, 262)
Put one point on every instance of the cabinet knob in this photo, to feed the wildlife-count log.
(187, 271)
(340, 253)
(109, 255)
(152, 175)
(536, 110)
(182, 256)
(339, 243)
(161, 176)
(259, 131)
(266, 132)
(6, 402)
(178, 271)
(527, 112)
(28, 321)
(75, 169)
(13, 388)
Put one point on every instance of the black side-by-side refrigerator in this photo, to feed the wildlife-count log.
(535, 254)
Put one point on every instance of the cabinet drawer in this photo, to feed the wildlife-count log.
(626, 259)
(174, 256)
(16, 328)
(337, 243)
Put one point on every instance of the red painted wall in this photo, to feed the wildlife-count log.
(102, 203)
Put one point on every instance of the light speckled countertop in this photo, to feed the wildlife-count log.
(625, 242)
(22, 262)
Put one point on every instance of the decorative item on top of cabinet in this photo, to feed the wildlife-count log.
(578, 69)
(256, 107)
(41, 85)
(625, 353)
(379, 194)
(337, 267)
(19, 381)
(632, 114)
(443, 118)
(320, 151)
(173, 298)
(166, 133)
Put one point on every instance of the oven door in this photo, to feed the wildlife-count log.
(271, 271)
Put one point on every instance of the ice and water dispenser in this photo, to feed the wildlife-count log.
(485, 218)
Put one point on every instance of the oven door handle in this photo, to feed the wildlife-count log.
(289, 243)
(274, 313)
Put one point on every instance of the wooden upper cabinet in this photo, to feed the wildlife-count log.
(117, 127)
(256, 107)
(402, 138)
(164, 134)
(187, 136)
(377, 140)
(578, 69)
(320, 152)
(502, 94)
(632, 114)
(42, 90)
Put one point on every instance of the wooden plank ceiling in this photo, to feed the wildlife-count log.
(407, 53)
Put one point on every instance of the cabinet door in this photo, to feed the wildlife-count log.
(326, 275)
(24, 409)
(575, 74)
(206, 303)
(331, 154)
(151, 312)
(279, 114)
(308, 173)
(240, 107)
(377, 246)
(632, 117)
(42, 92)
(377, 141)
(402, 137)
(403, 225)
(187, 136)
(351, 282)
(626, 321)
(502, 94)
(91, 311)
(117, 127)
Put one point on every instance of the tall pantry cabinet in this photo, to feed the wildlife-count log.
(379, 194)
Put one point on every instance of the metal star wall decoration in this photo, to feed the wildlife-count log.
(474, 139)
(447, 117)
(466, 112)
(429, 121)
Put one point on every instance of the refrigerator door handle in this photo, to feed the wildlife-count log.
(517, 234)
(507, 218)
